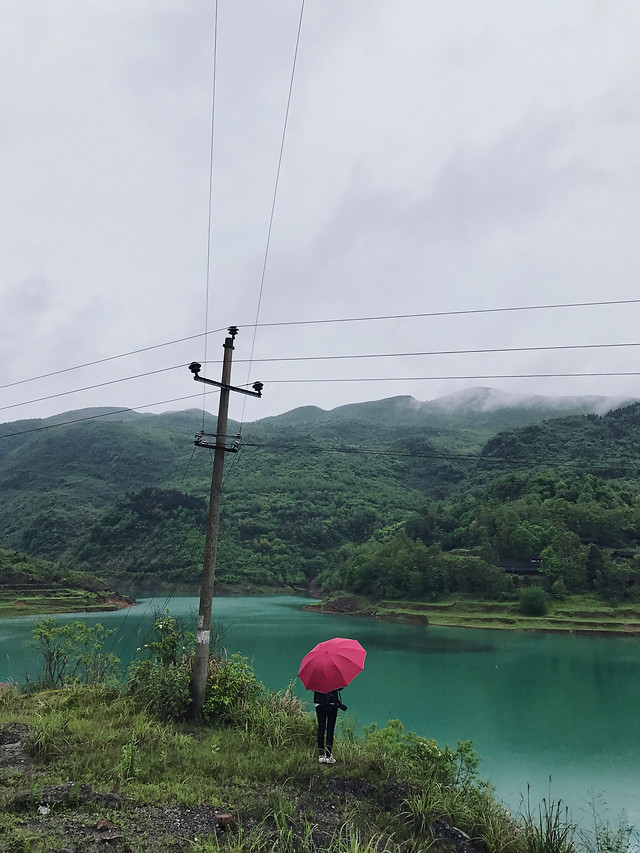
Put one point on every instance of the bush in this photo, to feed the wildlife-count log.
(559, 590)
(72, 654)
(161, 689)
(534, 601)
(231, 688)
(161, 683)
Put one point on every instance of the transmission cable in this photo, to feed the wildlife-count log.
(326, 321)
(210, 204)
(100, 415)
(550, 348)
(274, 199)
(92, 387)
(285, 359)
(440, 378)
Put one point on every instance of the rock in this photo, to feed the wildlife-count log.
(226, 821)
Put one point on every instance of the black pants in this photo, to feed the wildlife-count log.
(326, 715)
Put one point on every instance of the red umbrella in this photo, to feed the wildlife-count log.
(332, 664)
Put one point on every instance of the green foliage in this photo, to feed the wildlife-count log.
(136, 511)
(172, 641)
(534, 601)
(160, 683)
(72, 653)
(162, 689)
(231, 688)
(19, 570)
(559, 589)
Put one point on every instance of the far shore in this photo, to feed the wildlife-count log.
(574, 614)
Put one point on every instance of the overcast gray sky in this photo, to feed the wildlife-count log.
(439, 157)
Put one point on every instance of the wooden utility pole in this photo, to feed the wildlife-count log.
(198, 683)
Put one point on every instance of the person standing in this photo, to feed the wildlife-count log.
(327, 705)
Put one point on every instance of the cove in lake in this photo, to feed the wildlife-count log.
(534, 705)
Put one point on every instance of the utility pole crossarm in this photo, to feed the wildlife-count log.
(195, 368)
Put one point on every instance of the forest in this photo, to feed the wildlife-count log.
(385, 499)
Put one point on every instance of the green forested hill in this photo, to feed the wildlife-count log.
(607, 445)
(561, 497)
(125, 496)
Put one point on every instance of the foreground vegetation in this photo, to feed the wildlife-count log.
(119, 763)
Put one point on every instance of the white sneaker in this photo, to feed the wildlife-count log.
(322, 759)
(329, 759)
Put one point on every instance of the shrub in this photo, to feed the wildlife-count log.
(231, 688)
(162, 689)
(534, 601)
(72, 654)
(161, 682)
(559, 590)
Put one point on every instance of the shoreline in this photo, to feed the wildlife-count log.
(565, 617)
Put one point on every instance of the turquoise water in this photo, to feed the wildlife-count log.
(535, 705)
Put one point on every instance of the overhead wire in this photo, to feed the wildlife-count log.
(98, 416)
(452, 377)
(106, 359)
(341, 379)
(210, 203)
(92, 387)
(357, 319)
(119, 637)
(275, 196)
(353, 357)
(451, 457)
(550, 348)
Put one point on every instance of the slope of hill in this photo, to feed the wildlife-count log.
(606, 446)
(124, 494)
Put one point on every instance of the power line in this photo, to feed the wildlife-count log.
(92, 387)
(324, 322)
(98, 416)
(436, 352)
(275, 194)
(211, 148)
(456, 313)
(438, 378)
(494, 350)
(106, 359)
(451, 457)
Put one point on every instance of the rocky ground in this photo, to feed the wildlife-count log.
(77, 819)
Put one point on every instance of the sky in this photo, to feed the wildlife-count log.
(385, 176)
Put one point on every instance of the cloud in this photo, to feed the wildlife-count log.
(437, 157)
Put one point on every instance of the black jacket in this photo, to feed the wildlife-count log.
(332, 698)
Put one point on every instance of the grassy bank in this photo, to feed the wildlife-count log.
(40, 601)
(29, 586)
(89, 769)
(96, 764)
(578, 613)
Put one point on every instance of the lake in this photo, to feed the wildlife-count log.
(535, 705)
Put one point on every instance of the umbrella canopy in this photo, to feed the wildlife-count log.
(332, 664)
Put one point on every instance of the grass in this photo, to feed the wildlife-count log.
(390, 791)
(29, 602)
(578, 613)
